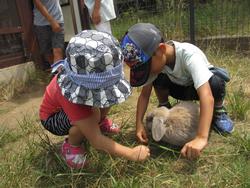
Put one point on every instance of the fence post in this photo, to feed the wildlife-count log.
(191, 21)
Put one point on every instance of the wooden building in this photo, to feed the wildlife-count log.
(17, 40)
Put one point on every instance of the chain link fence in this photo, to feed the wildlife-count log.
(219, 21)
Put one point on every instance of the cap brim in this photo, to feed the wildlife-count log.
(139, 74)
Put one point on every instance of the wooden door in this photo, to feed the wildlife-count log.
(17, 40)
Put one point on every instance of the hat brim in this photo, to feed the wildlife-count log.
(139, 74)
(101, 97)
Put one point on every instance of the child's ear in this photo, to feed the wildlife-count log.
(162, 47)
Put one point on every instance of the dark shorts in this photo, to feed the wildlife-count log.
(189, 92)
(47, 39)
(57, 124)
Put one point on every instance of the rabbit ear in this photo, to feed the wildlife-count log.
(149, 120)
(158, 128)
(150, 116)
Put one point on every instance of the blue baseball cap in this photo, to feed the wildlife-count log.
(138, 46)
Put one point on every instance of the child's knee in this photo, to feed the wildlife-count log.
(96, 115)
(218, 86)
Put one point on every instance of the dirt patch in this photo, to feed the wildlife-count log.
(26, 104)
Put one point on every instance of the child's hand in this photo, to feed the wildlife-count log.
(56, 27)
(141, 135)
(192, 149)
(140, 153)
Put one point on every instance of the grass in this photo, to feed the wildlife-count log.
(214, 18)
(30, 156)
(221, 18)
(239, 104)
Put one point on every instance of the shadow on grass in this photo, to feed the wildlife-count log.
(160, 151)
(104, 169)
(179, 165)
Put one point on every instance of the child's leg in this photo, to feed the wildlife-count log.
(75, 136)
(164, 87)
(58, 124)
(90, 128)
(161, 90)
(221, 121)
(73, 153)
(104, 112)
(106, 124)
(162, 96)
(218, 87)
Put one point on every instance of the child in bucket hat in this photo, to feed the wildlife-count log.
(78, 98)
(180, 70)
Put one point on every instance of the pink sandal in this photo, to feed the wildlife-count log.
(75, 156)
(107, 126)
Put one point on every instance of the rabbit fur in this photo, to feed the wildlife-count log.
(175, 126)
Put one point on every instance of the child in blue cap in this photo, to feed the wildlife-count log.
(78, 98)
(180, 70)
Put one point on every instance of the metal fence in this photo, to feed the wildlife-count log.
(211, 20)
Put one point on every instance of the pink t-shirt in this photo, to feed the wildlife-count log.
(54, 101)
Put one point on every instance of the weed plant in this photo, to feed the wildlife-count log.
(30, 156)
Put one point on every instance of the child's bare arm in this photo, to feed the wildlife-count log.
(91, 130)
(193, 148)
(206, 110)
(142, 105)
(54, 24)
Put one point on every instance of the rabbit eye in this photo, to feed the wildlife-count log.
(166, 124)
(149, 118)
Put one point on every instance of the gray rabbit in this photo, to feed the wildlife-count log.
(175, 126)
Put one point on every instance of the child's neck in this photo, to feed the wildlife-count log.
(170, 56)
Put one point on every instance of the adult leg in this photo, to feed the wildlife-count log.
(104, 27)
(58, 45)
(57, 54)
(49, 57)
(43, 34)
